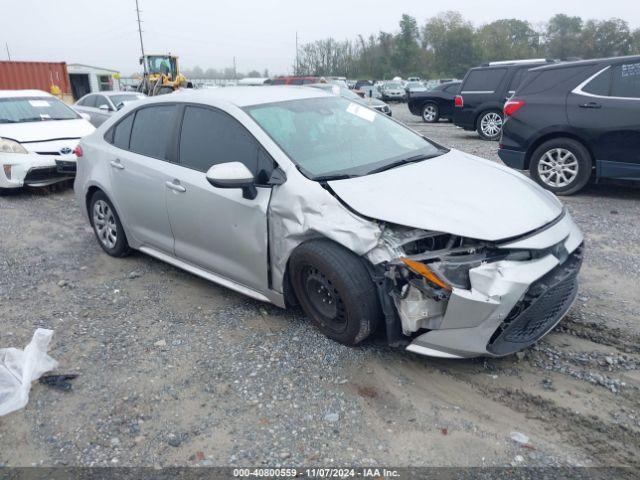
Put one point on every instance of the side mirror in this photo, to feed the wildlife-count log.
(104, 107)
(233, 175)
(86, 116)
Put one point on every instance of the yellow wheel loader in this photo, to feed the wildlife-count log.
(161, 75)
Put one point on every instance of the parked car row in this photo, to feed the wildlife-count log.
(567, 123)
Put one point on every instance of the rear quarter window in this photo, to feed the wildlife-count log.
(122, 133)
(484, 80)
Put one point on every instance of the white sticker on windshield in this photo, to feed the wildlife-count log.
(362, 112)
(39, 103)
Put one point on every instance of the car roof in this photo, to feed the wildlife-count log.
(514, 66)
(111, 93)
(23, 93)
(244, 96)
(592, 61)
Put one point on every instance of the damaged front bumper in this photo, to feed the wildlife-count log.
(510, 303)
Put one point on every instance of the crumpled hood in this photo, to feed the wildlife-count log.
(46, 130)
(454, 193)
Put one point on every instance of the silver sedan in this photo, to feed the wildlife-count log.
(100, 106)
(295, 196)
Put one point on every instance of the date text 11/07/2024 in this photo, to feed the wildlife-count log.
(316, 472)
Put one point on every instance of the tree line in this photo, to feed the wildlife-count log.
(447, 45)
(228, 73)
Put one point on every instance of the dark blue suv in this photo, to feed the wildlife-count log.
(572, 122)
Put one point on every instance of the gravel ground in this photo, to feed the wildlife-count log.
(174, 370)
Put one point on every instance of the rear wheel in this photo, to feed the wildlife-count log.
(562, 166)
(335, 289)
(430, 113)
(107, 227)
(489, 125)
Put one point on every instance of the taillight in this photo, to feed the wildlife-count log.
(78, 151)
(512, 106)
(458, 102)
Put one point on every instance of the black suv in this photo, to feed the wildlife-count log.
(571, 122)
(484, 91)
(434, 104)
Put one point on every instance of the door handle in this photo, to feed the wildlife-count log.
(117, 164)
(591, 105)
(175, 186)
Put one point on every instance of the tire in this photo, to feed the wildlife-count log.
(107, 226)
(489, 125)
(561, 165)
(335, 289)
(430, 113)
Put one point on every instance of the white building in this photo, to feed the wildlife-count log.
(87, 79)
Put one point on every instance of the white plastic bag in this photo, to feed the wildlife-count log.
(18, 368)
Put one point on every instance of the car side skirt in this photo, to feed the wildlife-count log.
(270, 297)
(618, 170)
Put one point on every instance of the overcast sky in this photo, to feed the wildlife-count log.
(259, 33)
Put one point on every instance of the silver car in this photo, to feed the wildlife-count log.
(393, 91)
(296, 196)
(100, 106)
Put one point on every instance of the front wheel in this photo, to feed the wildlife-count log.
(489, 125)
(430, 113)
(562, 166)
(335, 289)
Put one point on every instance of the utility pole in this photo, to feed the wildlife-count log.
(297, 64)
(8, 54)
(144, 64)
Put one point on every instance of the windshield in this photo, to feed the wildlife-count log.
(161, 64)
(393, 85)
(34, 109)
(333, 137)
(125, 97)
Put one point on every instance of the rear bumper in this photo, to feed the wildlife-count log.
(463, 118)
(512, 158)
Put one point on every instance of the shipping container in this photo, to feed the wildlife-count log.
(36, 75)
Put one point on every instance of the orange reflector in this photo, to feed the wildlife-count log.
(7, 171)
(422, 269)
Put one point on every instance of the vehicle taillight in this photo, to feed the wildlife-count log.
(78, 151)
(458, 102)
(512, 106)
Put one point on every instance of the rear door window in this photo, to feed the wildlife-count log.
(152, 128)
(625, 80)
(484, 80)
